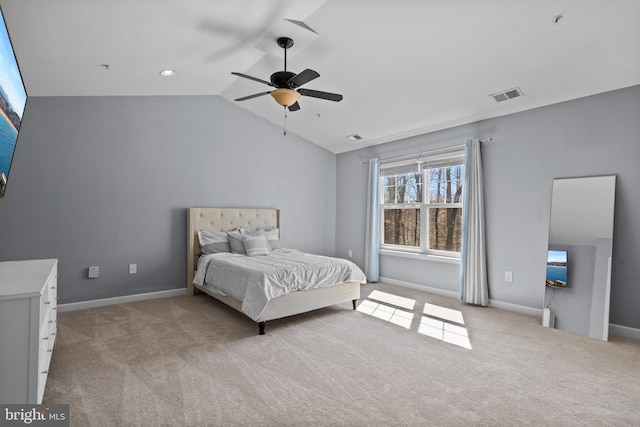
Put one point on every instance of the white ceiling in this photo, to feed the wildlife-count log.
(405, 67)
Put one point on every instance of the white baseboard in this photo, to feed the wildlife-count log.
(424, 288)
(119, 300)
(624, 331)
(522, 309)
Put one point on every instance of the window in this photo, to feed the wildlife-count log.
(421, 205)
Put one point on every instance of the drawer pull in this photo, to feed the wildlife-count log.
(45, 338)
(50, 351)
(53, 333)
(53, 287)
(53, 308)
(47, 302)
(50, 321)
(45, 372)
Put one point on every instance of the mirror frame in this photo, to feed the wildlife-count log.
(581, 222)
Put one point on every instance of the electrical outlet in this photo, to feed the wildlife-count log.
(350, 253)
(508, 276)
(94, 272)
(133, 268)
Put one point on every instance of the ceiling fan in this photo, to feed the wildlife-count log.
(287, 84)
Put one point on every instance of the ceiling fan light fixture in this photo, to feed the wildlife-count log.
(285, 97)
(286, 83)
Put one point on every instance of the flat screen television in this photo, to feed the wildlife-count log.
(556, 269)
(13, 98)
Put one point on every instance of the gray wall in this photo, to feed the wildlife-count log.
(105, 181)
(598, 135)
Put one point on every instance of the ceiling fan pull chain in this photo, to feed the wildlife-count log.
(285, 121)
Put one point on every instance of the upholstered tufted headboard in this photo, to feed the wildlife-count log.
(222, 219)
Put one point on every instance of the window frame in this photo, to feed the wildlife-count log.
(455, 158)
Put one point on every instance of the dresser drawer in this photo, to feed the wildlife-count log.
(48, 330)
(28, 313)
(43, 372)
(52, 286)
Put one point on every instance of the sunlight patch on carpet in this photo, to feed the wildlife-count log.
(443, 331)
(398, 301)
(441, 323)
(443, 313)
(381, 311)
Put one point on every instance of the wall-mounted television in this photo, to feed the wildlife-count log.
(13, 98)
(556, 269)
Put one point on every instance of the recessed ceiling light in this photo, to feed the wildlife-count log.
(167, 73)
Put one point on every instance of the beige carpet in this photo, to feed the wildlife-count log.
(191, 361)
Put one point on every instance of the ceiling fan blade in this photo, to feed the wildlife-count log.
(294, 107)
(322, 95)
(252, 78)
(255, 95)
(304, 77)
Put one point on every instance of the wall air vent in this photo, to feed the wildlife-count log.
(507, 94)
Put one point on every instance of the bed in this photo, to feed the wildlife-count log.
(289, 304)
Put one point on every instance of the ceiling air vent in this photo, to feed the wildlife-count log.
(354, 137)
(301, 25)
(507, 94)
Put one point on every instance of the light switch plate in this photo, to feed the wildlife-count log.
(94, 272)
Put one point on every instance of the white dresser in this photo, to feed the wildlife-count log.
(28, 308)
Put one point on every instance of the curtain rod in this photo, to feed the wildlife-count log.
(422, 153)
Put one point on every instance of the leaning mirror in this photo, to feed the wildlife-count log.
(578, 282)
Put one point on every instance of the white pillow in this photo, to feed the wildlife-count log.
(273, 238)
(273, 234)
(213, 242)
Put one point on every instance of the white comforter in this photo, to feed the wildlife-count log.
(258, 279)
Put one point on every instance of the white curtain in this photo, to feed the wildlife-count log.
(473, 264)
(372, 246)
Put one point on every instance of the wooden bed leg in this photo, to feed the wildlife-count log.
(261, 328)
(354, 303)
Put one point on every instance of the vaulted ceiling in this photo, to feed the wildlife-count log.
(404, 67)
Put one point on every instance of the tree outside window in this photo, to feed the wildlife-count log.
(422, 207)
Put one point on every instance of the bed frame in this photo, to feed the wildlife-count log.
(227, 219)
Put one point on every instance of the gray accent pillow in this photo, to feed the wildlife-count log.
(235, 242)
(213, 242)
(256, 245)
(216, 248)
